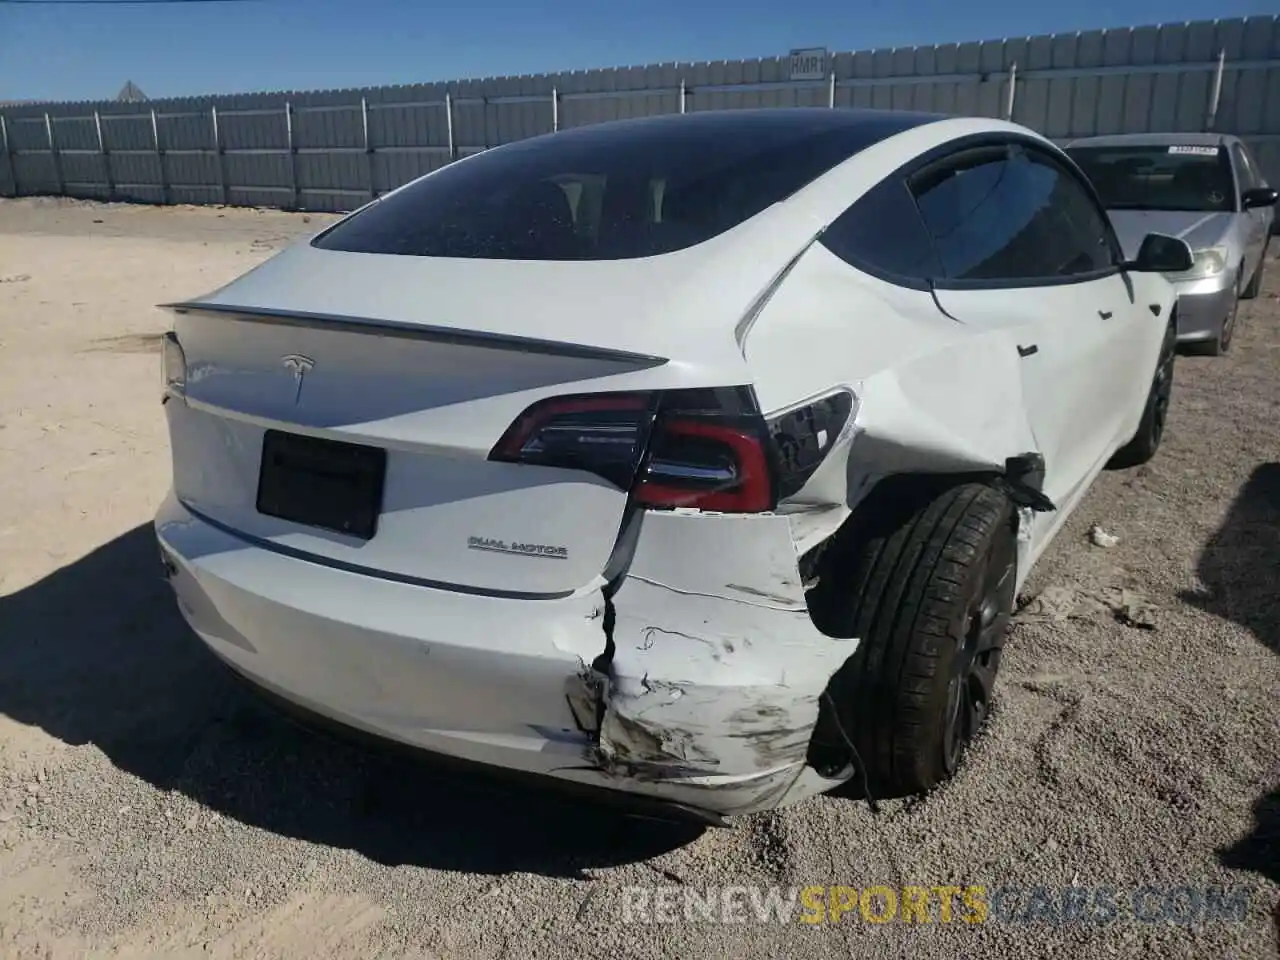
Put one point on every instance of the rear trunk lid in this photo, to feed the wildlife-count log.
(432, 361)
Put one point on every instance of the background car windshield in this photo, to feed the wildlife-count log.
(635, 189)
(1159, 177)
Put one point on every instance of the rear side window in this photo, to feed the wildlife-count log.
(882, 233)
(615, 191)
(1007, 215)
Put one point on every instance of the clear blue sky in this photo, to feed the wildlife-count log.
(78, 52)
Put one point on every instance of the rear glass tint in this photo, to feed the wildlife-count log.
(614, 191)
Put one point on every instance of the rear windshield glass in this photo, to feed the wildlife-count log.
(1159, 178)
(614, 191)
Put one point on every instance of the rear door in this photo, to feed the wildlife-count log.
(1024, 245)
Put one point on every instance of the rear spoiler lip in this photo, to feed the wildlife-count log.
(417, 331)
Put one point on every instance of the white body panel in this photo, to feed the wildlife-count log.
(898, 353)
(401, 395)
(716, 669)
(1078, 384)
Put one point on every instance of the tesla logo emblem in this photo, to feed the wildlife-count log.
(298, 365)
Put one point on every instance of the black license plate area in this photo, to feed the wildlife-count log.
(322, 483)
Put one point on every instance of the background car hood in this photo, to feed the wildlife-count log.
(1198, 228)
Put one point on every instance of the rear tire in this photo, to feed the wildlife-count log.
(1155, 414)
(927, 585)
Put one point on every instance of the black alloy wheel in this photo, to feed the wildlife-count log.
(980, 637)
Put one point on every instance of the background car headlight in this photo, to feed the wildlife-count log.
(173, 364)
(1208, 263)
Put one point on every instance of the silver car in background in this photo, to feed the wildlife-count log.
(1204, 188)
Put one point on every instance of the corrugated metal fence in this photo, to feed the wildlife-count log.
(332, 150)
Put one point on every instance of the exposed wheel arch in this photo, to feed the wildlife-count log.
(909, 576)
(909, 488)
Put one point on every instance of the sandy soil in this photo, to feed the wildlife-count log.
(150, 806)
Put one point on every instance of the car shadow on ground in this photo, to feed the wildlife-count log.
(1238, 568)
(96, 653)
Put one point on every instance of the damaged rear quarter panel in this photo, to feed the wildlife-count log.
(717, 667)
(933, 395)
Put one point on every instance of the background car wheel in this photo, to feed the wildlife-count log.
(1146, 441)
(927, 584)
(1222, 342)
(1255, 283)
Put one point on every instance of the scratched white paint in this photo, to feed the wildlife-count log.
(717, 669)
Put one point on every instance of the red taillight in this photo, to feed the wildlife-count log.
(706, 465)
(705, 450)
(603, 433)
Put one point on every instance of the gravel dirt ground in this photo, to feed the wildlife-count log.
(150, 806)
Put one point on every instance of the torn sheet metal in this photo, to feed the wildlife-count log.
(717, 668)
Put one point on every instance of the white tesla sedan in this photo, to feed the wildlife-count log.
(697, 458)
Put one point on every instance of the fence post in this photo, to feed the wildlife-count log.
(218, 158)
(155, 143)
(293, 156)
(555, 110)
(448, 117)
(1012, 92)
(368, 150)
(1215, 94)
(106, 157)
(8, 156)
(53, 155)
(831, 91)
(683, 94)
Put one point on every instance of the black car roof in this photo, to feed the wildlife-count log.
(865, 127)
(716, 170)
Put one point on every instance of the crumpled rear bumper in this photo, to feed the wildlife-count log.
(707, 668)
(717, 668)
